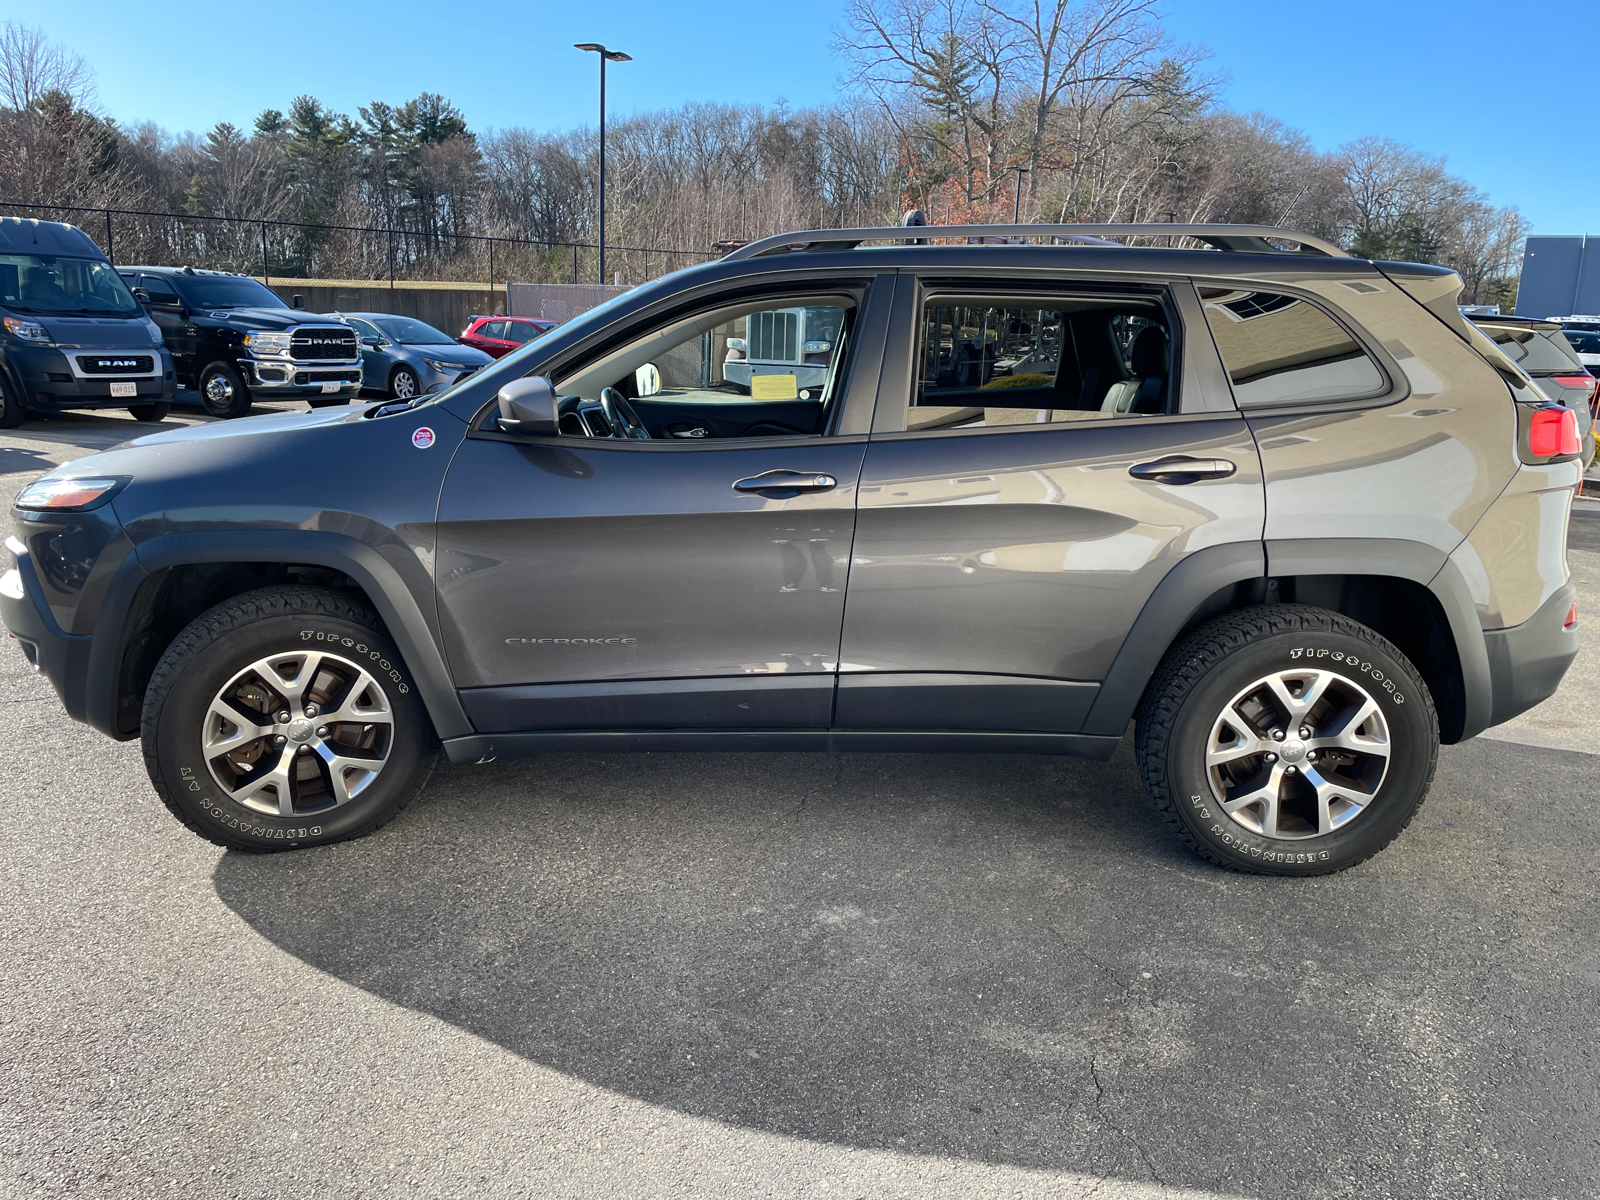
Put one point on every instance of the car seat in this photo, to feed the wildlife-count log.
(1146, 392)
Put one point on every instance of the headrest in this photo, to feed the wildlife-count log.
(1149, 355)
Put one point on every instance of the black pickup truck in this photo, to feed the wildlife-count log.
(234, 341)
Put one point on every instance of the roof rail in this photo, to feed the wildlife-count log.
(1240, 239)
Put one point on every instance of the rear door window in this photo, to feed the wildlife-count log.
(1281, 349)
(985, 361)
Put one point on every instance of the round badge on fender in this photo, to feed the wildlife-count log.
(422, 438)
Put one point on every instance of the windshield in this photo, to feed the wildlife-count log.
(225, 291)
(58, 283)
(412, 333)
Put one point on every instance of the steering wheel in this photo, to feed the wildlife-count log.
(620, 416)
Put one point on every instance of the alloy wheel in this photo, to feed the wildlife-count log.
(299, 732)
(1298, 754)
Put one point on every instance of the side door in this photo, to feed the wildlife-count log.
(166, 309)
(588, 581)
(1018, 502)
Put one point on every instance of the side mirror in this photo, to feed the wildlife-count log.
(528, 406)
(141, 295)
(647, 380)
(299, 300)
(372, 342)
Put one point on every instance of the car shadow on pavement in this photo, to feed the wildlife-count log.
(1006, 959)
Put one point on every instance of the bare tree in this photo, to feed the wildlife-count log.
(31, 67)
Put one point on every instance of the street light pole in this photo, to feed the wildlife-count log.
(605, 57)
(1016, 212)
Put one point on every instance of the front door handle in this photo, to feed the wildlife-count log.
(1180, 469)
(786, 481)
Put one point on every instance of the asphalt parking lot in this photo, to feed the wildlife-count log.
(768, 975)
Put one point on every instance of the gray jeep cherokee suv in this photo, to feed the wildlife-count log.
(1282, 508)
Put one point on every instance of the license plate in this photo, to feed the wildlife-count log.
(329, 388)
(124, 390)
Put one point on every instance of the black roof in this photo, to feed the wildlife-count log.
(24, 235)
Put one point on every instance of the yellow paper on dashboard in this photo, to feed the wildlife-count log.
(773, 387)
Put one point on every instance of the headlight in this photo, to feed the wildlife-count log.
(154, 331)
(261, 342)
(28, 331)
(73, 494)
(438, 365)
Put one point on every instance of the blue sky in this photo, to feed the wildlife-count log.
(1460, 79)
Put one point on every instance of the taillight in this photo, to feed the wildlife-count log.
(1586, 382)
(1572, 618)
(1553, 431)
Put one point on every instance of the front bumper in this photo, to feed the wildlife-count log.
(289, 380)
(61, 657)
(54, 379)
(1527, 661)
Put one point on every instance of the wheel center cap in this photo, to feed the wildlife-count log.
(300, 730)
(1294, 750)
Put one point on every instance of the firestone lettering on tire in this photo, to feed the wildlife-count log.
(339, 639)
(1350, 660)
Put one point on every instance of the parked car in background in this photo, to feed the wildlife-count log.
(1542, 349)
(71, 334)
(1585, 344)
(403, 357)
(498, 336)
(233, 341)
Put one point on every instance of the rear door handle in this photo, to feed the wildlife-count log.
(1181, 469)
(786, 481)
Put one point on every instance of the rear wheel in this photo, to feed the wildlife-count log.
(1287, 740)
(150, 412)
(222, 391)
(284, 718)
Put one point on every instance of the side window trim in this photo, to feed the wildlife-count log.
(1397, 389)
(900, 377)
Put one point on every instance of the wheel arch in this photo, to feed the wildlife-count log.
(172, 579)
(1407, 591)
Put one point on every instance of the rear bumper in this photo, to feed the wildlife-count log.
(60, 656)
(1527, 661)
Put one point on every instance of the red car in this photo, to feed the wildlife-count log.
(498, 336)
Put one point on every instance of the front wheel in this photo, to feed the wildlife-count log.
(223, 392)
(1287, 740)
(11, 411)
(150, 413)
(284, 718)
(403, 384)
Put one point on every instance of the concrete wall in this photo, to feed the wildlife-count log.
(447, 309)
(1560, 277)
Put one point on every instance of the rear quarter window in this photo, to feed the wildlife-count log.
(1280, 349)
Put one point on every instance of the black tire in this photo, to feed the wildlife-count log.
(403, 383)
(223, 392)
(151, 412)
(1203, 686)
(217, 649)
(328, 401)
(11, 411)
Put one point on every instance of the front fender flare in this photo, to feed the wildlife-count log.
(412, 632)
